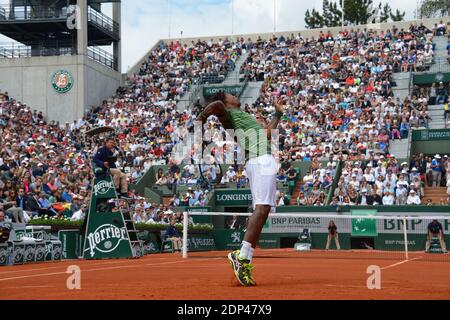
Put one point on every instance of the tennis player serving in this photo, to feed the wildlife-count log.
(261, 168)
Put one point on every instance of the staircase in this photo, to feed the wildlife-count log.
(136, 244)
(295, 193)
(402, 89)
(435, 194)
(440, 55)
(251, 93)
(233, 76)
(436, 114)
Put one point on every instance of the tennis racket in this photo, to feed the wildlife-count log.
(209, 166)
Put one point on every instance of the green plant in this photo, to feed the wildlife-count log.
(67, 223)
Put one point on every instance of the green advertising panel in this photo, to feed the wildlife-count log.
(431, 135)
(210, 91)
(429, 78)
(238, 197)
(151, 243)
(200, 219)
(364, 227)
(70, 240)
(227, 239)
(201, 242)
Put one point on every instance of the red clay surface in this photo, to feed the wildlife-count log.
(280, 274)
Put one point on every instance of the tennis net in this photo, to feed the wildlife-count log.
(356, 236)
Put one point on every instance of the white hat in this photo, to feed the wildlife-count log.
(412, 191)
(364, 190)
(404, 163)
(369, 164)
(414, 169)
(437, 156)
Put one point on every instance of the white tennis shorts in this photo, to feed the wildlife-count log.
(262, 174)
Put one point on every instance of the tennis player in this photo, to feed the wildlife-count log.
(261, 168)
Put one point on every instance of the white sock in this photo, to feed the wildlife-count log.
(250, 254)
(245, 249)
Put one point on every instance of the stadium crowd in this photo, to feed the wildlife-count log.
(340, 107)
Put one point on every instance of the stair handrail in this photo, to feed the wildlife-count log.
(408, 152)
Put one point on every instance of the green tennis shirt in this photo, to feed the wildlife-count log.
(250, 135)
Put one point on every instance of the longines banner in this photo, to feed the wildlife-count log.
(240, 197)
(210, 91)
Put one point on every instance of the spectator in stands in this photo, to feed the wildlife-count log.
(388, 199)
(139, 215)
(282, 200)
(447, 109)
(2, 216)
(436, 171)
(441, 29)
(413, 198)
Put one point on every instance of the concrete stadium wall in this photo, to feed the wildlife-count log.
(101, 82)
(28, 80)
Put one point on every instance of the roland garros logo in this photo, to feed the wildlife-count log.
(103, 187)
(106, 238)
(62, 81)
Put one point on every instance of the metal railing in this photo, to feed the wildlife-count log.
(440, 64)
(102, 56)
(34, 12)
(16, 50)
(59, 13)
(103, 21)
(38, 49)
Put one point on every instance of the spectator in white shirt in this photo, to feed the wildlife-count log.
(413, 198)
(388, 199)
(401, 194)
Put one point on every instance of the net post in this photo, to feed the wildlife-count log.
(185, 233)
(405, 237)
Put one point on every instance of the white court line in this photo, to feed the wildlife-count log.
(399, 263)
(75, 262)
(101, 269)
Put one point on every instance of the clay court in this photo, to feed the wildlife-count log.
(281, 274)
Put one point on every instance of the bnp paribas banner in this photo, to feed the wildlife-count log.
(355, 227)
(106, 235)
(364, 227)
